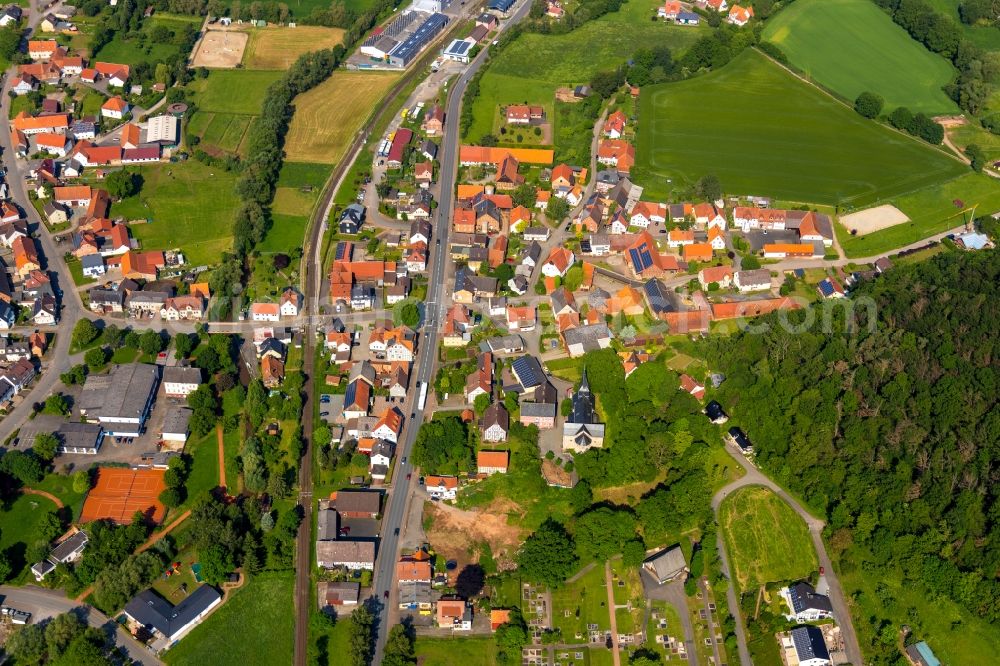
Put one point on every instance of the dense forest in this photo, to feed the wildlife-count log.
(890, 427)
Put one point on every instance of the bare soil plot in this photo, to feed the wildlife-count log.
(220, 48)
(278, 47)
(454, 532)
(328, 116)
(873, 219)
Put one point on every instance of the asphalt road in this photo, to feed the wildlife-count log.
(841, 613)
(58, 356)
(434, 308)
(44, 604)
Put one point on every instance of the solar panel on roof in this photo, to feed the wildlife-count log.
(826, 287)
(528, 371)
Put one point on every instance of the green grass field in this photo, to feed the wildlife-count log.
(233, 90)
(190, 206)
(534, 66)
(766, 540)
(870, 53)
(775, 135)
(18, 526)
(292, 206)
(231, 638)
(931, 211)
(449, 651)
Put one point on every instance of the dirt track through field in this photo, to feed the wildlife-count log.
(222, 458)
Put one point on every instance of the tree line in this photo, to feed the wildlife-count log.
(977, 69)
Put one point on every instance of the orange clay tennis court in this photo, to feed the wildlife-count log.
(119, 493)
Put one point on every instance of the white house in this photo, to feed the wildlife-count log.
(442, 487)
(291, 303)
(804, 604)
(265, 312)
(755, 280)
(810, 647)
(115, 108)
(559, 262)
(181, 381)
(93, 265)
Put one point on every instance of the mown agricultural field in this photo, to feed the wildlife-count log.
(931, 211)
(328, 116)
(190, 206)
(769, 133)
(278, 48)
(228, 102)
(870, 52)
(299, 186)
(530, 69)
(766, 541)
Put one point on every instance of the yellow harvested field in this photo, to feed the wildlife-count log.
(328, 116)
(278, 48)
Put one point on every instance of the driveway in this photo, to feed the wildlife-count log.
(672, 593)
(44, 604)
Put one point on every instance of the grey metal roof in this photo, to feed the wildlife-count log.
(587, 336)
(69, 547)
(667, 563)
(179, 374)
(152, 610)
(122, 393)
(79, 435)
(176, 420)
(538, 410)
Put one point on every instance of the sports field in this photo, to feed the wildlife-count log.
(531, 68)
(771, 134)
(765, 539)
(278, 48)
(328, 116)
(190, 206)
(119, 492)
(931, 211)
(870, 52)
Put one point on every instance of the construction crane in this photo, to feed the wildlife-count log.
(971, 210)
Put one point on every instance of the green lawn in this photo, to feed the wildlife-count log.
(766, 540)
(870, 53)
(449, 651)
(190, 206)
(62, 487)
(534, 66)
(205, 464)
(232, 636)
(775, 135)
(18, 525)
(931, 211)
(238, 91)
